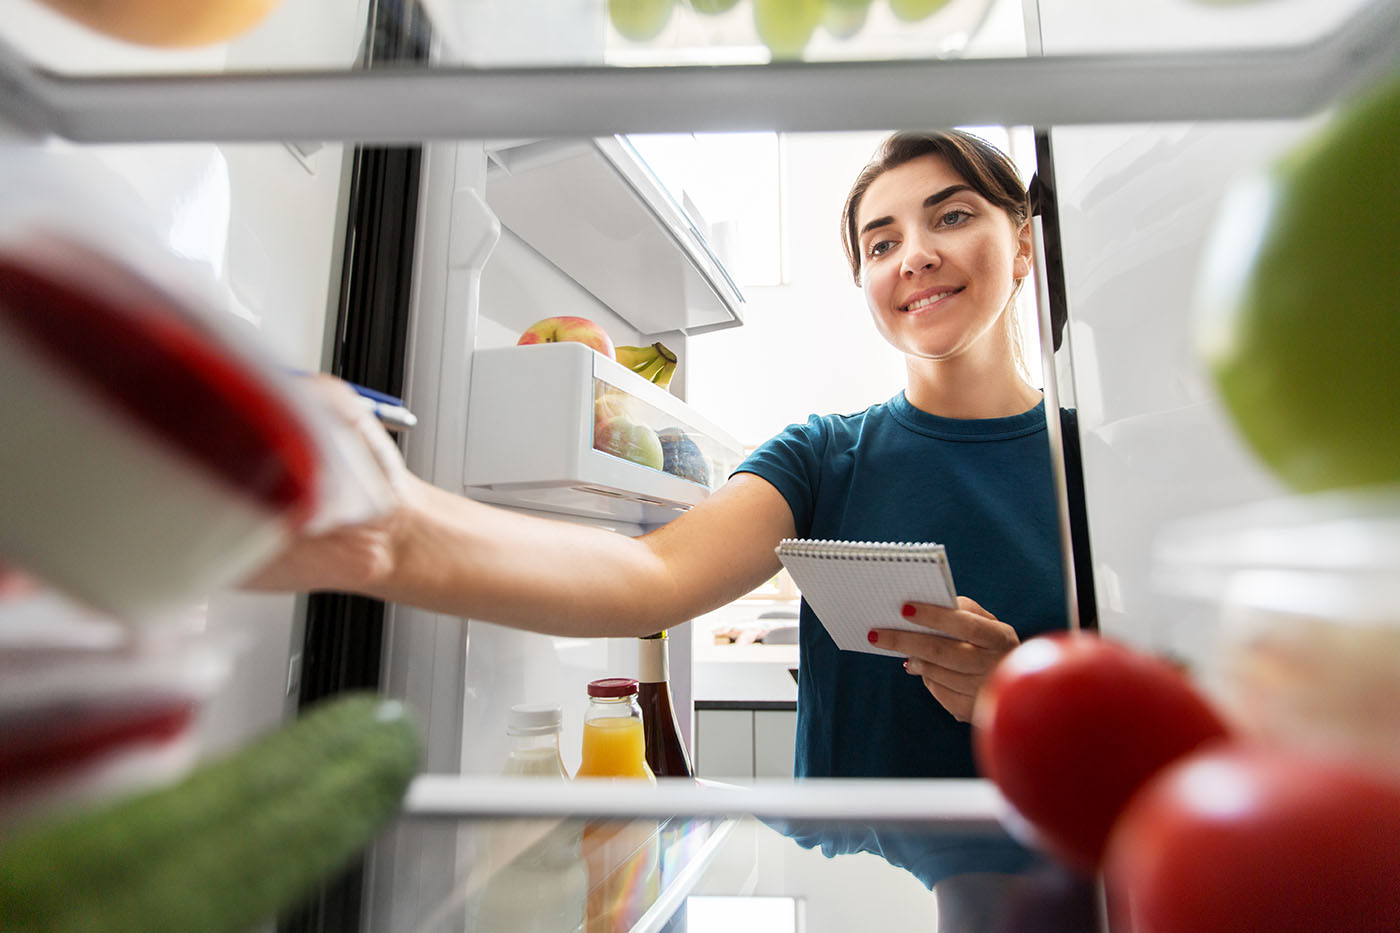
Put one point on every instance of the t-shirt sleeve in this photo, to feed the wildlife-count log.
(791, 461)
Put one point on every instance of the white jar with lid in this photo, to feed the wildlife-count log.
(532, 734)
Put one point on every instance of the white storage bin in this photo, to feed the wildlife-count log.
(562, 428)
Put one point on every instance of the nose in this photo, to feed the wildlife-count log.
(919, 256)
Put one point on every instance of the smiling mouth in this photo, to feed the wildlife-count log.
(920, 303)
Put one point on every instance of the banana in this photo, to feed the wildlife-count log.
(663, 377)
(652, 369)
(638, 358)
(655, 363)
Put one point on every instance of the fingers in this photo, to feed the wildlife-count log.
(339, 396)
(954, 659)
(948, 653)
(347, 404)
(955, 702)
(956, 681)
(969, 622)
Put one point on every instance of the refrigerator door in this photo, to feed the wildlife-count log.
(1137, 185)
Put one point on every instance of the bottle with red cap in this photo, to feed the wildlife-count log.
(614, 744)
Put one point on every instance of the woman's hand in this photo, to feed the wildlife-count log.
(953, 668)
(352, 557)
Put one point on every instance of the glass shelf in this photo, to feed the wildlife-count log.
(1167, 60)
(607, 856)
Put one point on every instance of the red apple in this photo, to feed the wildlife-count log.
(569, 328)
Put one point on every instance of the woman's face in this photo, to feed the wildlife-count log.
(939, 262)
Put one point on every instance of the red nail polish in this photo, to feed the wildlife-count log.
(906, 664)
(907, 610)
(873, 636)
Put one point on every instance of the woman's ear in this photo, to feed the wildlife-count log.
(1021, 265)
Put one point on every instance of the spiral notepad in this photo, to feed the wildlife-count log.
(854, 586)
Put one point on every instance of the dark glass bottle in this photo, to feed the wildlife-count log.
(666, 751)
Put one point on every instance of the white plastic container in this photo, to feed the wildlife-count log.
(532, 437)
(156, 450)
(1306, 591)
(91, 709)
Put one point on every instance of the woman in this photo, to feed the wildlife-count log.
(937, 232)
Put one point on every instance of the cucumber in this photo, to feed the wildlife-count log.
(229, 845)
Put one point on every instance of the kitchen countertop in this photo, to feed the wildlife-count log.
(742, 676)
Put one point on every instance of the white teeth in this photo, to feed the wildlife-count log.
(925, 302)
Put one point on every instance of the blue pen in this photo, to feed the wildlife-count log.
(386, 408)
(390, 411)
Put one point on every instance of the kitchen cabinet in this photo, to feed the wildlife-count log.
(743, 743)
(1083, 72)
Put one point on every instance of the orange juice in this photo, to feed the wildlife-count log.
(614, 747)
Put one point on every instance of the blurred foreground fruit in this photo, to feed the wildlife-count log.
(1299, 305)
(712, 7)
(640, 20)
(229, 846)
(1069, 726)
(1256, 840)
(173, 23)
(912, 11)
(844, 18)
(786, 26)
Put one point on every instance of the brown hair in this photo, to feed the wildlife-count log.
(982, 165)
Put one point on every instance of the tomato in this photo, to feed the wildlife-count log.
(1251, 839)
(1069, 726)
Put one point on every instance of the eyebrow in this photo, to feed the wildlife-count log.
(929, 201)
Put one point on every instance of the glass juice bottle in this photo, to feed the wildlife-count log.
(613, 742)
(665, 750)
(623, 856)
(532, 734)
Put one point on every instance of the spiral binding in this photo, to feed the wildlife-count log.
(892, 551)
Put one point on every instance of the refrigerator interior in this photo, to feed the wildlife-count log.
(1135, 200)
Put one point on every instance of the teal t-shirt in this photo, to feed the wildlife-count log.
(983, 489)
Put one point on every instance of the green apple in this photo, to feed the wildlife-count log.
(617, 431)
(844, 18)
(1299, 306)
(713, 7)
(640, 20)
(786, 26)
(911, 11)
(630, 440)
